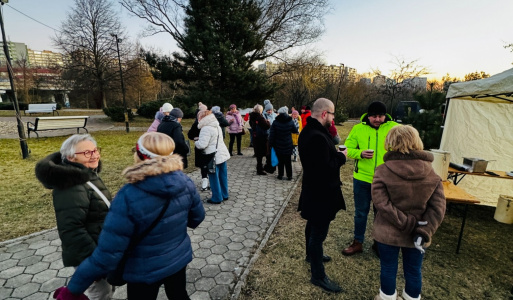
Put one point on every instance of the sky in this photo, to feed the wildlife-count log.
(445, 36)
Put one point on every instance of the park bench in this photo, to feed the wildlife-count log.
(54, 123)
(42, 108)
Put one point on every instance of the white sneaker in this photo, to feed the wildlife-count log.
(204, 184)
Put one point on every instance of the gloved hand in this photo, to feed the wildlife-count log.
(63, 293)
(418, 241)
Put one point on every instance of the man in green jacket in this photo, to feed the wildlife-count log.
(366, 144)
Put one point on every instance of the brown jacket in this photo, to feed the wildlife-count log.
(406, 190)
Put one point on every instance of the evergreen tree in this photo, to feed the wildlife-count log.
(216, 66)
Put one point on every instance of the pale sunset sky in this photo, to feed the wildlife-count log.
(445, 36)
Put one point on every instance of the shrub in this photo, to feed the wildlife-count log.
(117, 114)
(149, 109)
(9, 106)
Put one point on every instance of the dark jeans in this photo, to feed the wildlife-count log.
(315, 234)
(284, 162)
(232, 139)
(362, 202)
(412, 268)
(174, 286)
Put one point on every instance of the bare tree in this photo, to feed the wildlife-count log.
(283, 24)
(86, 37)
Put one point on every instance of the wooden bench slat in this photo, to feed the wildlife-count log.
(54, 123)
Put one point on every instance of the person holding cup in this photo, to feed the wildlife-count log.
(366, 144)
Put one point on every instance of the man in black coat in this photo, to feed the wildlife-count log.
(321, 195)
(171, 126)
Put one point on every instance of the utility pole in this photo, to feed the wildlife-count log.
(21, 130)
(122, 82)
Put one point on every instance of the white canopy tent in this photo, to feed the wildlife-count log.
(479, 123)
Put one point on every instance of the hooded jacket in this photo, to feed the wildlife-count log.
(79, 210)
(167, 247)
(280, 136)
(406, 190)
(173, 129)
(363, 137)
(235, 121)
(210, 135)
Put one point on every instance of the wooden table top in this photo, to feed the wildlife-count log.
(456, 194)
(501, 174)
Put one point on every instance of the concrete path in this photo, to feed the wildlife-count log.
(225, 245)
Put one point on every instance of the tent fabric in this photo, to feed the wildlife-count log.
(481, 128)
(497, 89)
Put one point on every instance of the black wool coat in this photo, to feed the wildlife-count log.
(321, 195)
(172, 128)
(259, 126)
(280, 136)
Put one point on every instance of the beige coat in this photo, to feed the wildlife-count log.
(406, 190)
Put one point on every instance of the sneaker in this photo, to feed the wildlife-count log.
(355, 247)
(204, 184)
(326, 284)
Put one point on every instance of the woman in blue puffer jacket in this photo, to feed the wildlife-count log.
(163, 254)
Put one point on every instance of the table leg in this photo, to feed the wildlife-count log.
(461, 230)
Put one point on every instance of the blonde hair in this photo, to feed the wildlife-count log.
(203, 113)
(157, 143)
(258, 108)
(403, 139)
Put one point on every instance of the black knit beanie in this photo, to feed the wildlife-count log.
(377, 108)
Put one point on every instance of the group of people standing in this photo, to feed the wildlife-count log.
(144, 229)
(392, 172)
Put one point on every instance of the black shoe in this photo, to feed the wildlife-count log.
(261, 173)
(325, 258)
(212, 202)
(231, 154)
(375, 248)
(289, 178)
(279, 177)
(224, 199)
(326, 284)
(240, 153)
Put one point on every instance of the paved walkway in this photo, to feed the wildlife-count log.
(225, 245)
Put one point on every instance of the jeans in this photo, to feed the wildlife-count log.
(315, 235)
(284, 162)
(219, 183)
(174, 286)
(412, 268)
(362, 201)
(232, 140)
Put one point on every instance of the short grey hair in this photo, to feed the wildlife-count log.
(258, 108)
(68, 146)
(320, 105)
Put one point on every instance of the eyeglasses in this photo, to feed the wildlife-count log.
(89, 153)
(333, 113)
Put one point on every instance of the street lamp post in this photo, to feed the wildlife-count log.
(118, 40)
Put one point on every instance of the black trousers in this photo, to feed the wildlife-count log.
(284, 162)
(232, 139)
(174, 286)
(315, 235)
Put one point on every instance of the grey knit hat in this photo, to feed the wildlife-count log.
(283, 110)
(268, 106)
(176, 112)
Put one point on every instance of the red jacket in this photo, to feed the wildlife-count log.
(305, 115)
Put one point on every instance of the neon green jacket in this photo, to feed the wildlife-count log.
(363, 137)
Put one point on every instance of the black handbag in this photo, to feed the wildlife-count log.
(115, 277)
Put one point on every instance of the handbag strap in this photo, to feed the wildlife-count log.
(97, 190)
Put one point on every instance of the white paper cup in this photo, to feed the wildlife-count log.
(342, 147)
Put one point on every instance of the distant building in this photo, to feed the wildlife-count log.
(331, 72)
(416, 83)
(17, 52)
(366, 81)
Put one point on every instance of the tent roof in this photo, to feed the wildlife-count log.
(497, 88)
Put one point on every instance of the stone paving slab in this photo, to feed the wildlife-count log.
(225, 245)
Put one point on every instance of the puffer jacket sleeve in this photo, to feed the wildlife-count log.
(114, 240)
(434, 214)
(353, 147)
(197, 211)
(71, 209)
(381, 200)
(204, 138)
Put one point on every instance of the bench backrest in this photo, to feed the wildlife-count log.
(46, 123)
(43, 106)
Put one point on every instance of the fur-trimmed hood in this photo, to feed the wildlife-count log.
(153, 167)
(418, 166)
(54, 173)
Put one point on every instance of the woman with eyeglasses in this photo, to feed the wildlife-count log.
(81, 201)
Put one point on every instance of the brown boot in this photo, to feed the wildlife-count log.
(356, 247)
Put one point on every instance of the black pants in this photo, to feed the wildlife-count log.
(284, 162)
(174, 286)
(232, 139)
(204, 172)
(315, 234)
(260, 165)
